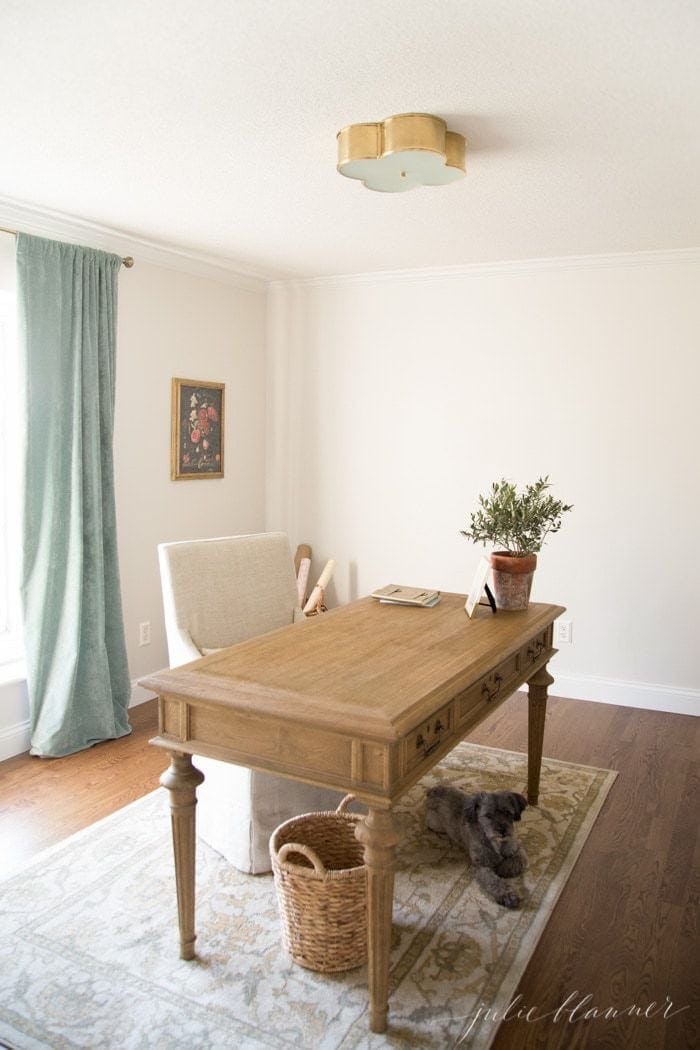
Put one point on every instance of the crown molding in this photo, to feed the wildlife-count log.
(42, 222)
(497, 269)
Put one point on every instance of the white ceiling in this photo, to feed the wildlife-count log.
(211, 124)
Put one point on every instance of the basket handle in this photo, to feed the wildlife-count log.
(344, 803)
(306, 851)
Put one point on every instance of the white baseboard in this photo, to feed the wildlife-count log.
(139, 695)
(14, 740)
(627, 694)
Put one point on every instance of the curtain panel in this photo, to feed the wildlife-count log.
(77, 671)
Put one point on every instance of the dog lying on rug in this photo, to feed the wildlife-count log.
(482, 824)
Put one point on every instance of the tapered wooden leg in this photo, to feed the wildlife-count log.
(537, 713)
(182, 779)
(378, 835)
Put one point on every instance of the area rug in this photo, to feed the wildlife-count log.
(89, 933)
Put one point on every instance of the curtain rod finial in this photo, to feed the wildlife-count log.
(128, 261)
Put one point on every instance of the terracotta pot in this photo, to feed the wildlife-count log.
(512, 579)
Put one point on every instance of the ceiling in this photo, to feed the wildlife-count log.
(212, 125)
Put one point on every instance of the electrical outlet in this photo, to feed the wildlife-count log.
(145, 633)
(565, 632)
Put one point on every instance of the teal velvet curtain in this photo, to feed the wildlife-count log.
(77, 671)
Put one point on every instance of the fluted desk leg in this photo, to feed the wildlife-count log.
(537, 712)
(181, 780)
(379, 837)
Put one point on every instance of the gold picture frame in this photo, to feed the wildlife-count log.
(197, 430)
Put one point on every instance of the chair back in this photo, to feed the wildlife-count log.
(223, 591)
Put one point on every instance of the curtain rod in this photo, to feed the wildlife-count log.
(127, 261)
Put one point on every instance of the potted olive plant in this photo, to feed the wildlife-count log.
(517, 524)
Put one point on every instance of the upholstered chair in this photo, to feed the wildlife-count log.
(215, 593)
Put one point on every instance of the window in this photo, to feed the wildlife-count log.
(10, 455)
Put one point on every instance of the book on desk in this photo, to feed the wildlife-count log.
(395, 594)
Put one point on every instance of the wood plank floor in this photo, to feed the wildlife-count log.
(624, 931)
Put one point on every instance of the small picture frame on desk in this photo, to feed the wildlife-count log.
(478, 586)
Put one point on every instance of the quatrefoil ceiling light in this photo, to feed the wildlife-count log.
(401, 152)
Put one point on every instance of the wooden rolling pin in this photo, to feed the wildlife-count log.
(316, 598)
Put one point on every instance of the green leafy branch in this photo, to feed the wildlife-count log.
(516, 522)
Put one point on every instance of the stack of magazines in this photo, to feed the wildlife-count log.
(393, 594)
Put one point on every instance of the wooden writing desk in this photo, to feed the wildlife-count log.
(366, 698)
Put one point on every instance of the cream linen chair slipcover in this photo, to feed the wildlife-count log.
(215, 593)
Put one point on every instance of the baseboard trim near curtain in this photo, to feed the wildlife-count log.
(139, 695)
(15, 738)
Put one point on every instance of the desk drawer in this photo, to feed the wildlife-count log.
(492, 686)
(530, 653)
(428, 737)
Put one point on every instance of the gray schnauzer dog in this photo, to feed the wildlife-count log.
(482, 824)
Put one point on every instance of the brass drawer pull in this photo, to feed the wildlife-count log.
(421, 743)
(428, 750)
(491, 693)
(538, 649)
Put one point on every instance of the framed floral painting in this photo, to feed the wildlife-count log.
(197, 443)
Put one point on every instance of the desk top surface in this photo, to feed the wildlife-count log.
(365, 663)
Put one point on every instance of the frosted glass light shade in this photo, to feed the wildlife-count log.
(402, 152)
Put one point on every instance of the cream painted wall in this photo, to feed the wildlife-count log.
(171, 324)
(175, 324)
(394, 402)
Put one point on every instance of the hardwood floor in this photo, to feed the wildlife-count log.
(43, 800)
(624, 931)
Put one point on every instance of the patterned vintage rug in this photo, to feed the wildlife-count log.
(89, 939)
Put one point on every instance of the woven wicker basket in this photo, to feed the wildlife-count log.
(322, 892)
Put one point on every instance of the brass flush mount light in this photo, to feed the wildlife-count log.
(410, 149)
